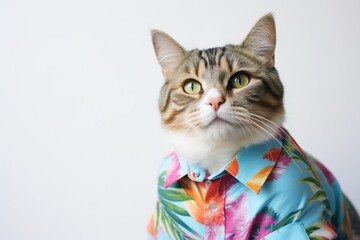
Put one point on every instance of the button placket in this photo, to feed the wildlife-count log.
(214, 206)
(207, 184)
(196, 173)
(214, 209)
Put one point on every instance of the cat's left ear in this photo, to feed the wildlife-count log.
(262, 39)
(168, 52)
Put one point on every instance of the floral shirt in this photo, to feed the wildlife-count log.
(268, 191)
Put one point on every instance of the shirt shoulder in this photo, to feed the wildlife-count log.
(297, 190)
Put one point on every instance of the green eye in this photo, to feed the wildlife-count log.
(192, 87)
(239, 80)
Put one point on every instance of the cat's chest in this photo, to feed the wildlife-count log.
(216, 160)
(206, 153)
(210, 158)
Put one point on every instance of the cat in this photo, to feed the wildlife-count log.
(236, 173)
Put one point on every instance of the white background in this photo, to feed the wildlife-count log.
(80, 136)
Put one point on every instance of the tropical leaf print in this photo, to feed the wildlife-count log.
(289, 218)
(310, 180)
(311, 229)
(319, 238)
(328, 175)
(224, 208)
(313, 181)
(195, 206)
(175, 209)
(318, 196)
(320, 230)
(168, 213)
(353, 217)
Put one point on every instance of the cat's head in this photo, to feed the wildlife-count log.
(224, 93)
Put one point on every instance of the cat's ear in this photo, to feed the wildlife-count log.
(168, 52)
(262, 39)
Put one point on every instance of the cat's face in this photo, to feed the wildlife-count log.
(226, 92)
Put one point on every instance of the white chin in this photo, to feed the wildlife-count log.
(221, 130)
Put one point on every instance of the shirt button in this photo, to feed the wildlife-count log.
(214, 206)
(207, 183)
(193, 176)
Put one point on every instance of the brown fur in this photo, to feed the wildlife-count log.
(213, 68)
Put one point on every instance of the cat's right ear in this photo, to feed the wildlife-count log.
(168, 52)
(262, 39)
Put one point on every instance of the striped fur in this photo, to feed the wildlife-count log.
(248, 114)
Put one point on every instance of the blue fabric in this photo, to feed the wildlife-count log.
(271, 190)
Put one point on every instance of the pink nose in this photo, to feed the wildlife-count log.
(215, 102)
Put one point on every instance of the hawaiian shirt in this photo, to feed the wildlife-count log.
(268, 191)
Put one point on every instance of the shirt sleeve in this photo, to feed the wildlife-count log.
(150, 235)
(304, 204)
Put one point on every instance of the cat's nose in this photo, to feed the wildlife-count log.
(215, 102)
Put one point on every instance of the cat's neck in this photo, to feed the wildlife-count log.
(209, 153)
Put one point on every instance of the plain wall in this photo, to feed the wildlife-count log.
(80, 135)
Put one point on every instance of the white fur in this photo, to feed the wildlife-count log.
(197, 149)
(207, 113)
(211, 148)
(212, 93)
(217, 142)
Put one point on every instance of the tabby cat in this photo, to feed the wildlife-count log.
(236, 173)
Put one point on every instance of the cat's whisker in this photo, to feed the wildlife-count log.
(266, 131)
(247, 128)
(249, 123)
(266, 125)
(243, 125)
(263, 118)
(280, 129)
(248, 119)
(282, 145)
(254, 129)
(244, 121)
(240, 85)
(240, 108)
(188, 124)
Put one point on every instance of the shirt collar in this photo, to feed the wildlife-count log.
(252, 166)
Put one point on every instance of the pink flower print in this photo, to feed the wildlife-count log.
(279, 168)
(237, 218)
(263, 223)
(174, 170)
